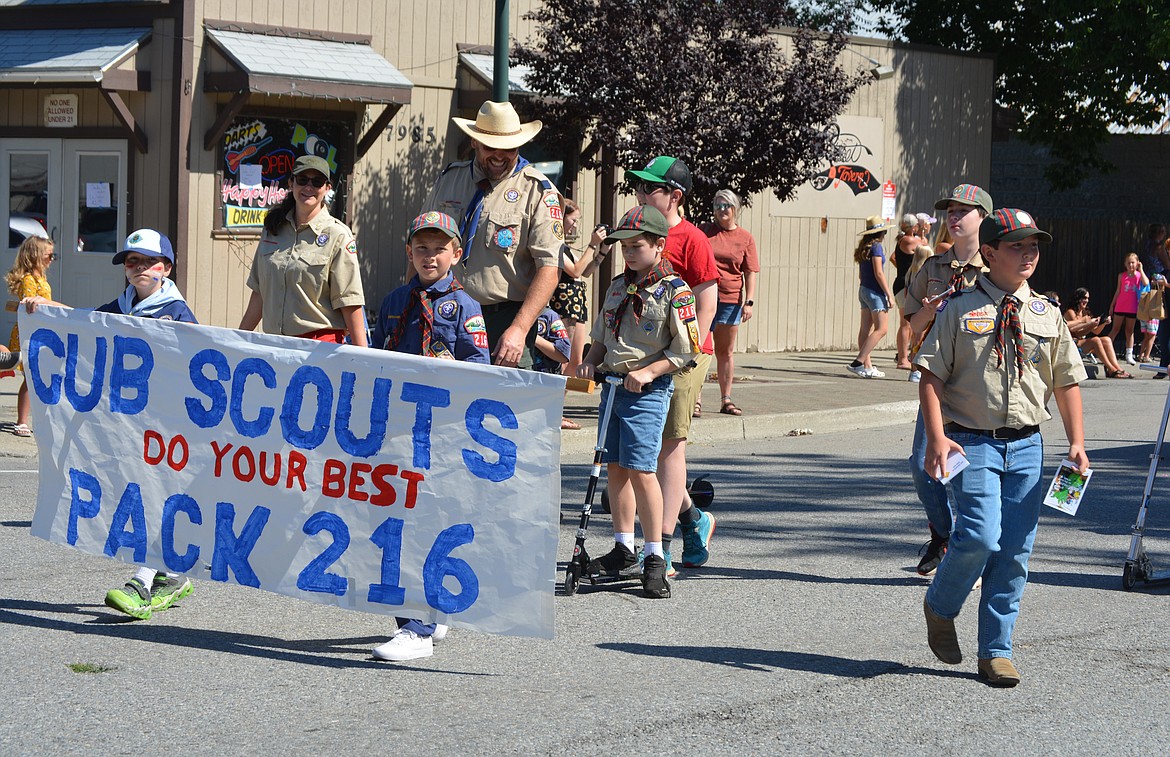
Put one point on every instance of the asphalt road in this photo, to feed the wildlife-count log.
(804, 634)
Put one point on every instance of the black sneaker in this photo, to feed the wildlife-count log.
(618, 562)
(654, 583)
(932, 553)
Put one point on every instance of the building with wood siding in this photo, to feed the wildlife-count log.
(185, 115)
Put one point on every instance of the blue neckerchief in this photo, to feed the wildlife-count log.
(470, 223)
(147, 308)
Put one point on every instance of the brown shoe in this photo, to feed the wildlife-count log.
(941, 635)
(999, 671)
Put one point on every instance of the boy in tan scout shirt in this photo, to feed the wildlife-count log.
(995, 355)
(647, 331)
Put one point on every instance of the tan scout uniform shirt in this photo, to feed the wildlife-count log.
(935, 276)
(305, 275)
(667, 329)
(521, 228)
(960, 350)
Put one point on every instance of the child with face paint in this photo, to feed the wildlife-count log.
(148, 259)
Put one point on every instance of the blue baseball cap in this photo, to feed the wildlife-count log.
(147, 242)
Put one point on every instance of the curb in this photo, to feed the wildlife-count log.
(578, 445)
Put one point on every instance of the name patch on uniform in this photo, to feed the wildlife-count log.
(980, 325)
(683, 299)
(475, 325)
(351, 248)
(447, 309)
(323, 239)
(941, 306)
(1038, 307)
(687, 312)
(505, 237)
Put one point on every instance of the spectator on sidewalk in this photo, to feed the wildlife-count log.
(874, 294)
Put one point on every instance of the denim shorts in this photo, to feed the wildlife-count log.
(729, 313)
(871, 300)
(634, 436)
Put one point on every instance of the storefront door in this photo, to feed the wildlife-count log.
(73, 191)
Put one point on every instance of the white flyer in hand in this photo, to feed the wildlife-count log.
(1067, 488)
(955, 463)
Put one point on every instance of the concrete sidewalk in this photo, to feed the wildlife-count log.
(779, 392)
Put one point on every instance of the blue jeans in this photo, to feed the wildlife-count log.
(931, 493)
(997, 499)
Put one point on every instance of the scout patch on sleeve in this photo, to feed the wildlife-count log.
(447, 309)
(351, 248)
(687, 313)
(693, 332)
(556, 214)
(558, 230)
(683, 299)
(552, 200)
(978, 324)
(475, 325)
(1038, 307)
(558, 329)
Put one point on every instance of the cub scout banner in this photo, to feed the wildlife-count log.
(375, 481)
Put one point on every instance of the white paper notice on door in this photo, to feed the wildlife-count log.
(251, 175)
(97, 194)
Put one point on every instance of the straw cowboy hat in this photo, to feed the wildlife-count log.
(498, 126)
(875, 225)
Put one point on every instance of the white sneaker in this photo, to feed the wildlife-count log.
(858, 370)
(915, 377)
(440, 632)
(874, 373)
(405, 645)
(1129, 359)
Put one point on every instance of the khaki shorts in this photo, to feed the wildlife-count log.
(687, 384)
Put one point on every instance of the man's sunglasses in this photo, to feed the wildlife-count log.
(648, 188)
(316, 181)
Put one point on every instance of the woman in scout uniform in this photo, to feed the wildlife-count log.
(305, 279)
(995, 355)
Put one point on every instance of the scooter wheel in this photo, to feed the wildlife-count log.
(1129, 576)
(702, 493)
(572, 578)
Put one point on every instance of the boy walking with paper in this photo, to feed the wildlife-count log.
(430, 315)
(648, 330)
(995, 355)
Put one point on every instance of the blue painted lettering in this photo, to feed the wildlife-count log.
(129, 510)
(175, 504)
(252, 366)
(379, 413)
(81, 508)
(123, 378)
(211, 415)
(294, 399)
(505, 467)
(426, 399)
(232, 550)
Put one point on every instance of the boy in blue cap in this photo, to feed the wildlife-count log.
(996, 354)
(430, 315)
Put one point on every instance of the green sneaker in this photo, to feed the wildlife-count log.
(132, 599)
(165, 591)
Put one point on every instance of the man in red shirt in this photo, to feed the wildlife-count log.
(664, 184)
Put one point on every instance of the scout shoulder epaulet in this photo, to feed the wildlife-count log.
(545, 185)
(615, 278)
(677, 283)
(456, 164)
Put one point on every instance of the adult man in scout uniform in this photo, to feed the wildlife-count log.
(966, 207)
(511, 222)
(996, 354)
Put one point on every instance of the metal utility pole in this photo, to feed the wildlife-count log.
(500, 67)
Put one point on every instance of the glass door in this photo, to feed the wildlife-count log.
(93, 222)
(30, 202)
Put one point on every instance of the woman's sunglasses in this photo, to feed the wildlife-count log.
(316, 181)
(723, 206)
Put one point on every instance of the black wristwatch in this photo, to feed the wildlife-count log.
(749, 303)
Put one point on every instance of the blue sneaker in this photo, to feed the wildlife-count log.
(696, 537)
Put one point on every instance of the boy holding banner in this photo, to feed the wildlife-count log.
(432, 316)
(648, 331)
(148, 259)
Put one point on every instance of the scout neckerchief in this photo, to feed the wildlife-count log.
(653, 276)
(421, 296)
(1007, 318)
(471, 219)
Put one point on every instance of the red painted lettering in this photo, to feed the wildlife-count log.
(149, 439)
(356, 480)
(273, 479)
(296, 470)
(413, 479)
(333, 479)
(386, 495)
(220, 453)
(244, 464)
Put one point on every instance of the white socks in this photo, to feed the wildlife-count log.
(653, 548)
(625, 539)
(146, 576)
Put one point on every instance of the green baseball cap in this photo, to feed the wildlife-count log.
(643, 219)
(666, 170)
(967, 194)
(1010, 225)
(311, 163)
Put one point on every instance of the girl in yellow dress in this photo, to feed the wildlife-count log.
(27, 279)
